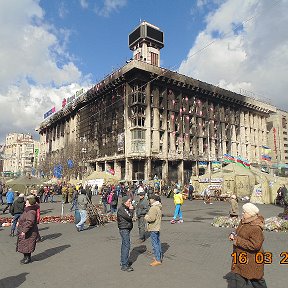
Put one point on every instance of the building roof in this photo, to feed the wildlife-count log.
(163, 75)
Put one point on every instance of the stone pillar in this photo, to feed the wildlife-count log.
(128, 169)
(98, 167)
(155, 131)
(147, 169)
(181, 172)
(233, 141)
(165, 170)
(117, 169)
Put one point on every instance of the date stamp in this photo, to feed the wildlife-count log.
(260, 258)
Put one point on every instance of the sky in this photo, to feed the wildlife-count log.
(50, 49)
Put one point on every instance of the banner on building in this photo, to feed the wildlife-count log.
(120, 142)
(50, 112)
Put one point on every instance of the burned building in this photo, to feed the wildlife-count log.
(143, 120)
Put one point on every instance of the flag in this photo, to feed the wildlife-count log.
(243, 162)
(266, 157)
(228, 158)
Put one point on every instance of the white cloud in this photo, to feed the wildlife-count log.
(253, 57)
(109, 6)
(32, 80)
(84, 4)
(62, 10)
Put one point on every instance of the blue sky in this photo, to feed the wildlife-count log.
(52, 48)
(99, 42)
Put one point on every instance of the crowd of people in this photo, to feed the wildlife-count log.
(141, 204)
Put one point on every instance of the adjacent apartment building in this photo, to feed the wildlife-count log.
(144, 120)
(20, 154)
(277, 126)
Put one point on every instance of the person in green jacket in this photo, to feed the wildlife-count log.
(178, 201)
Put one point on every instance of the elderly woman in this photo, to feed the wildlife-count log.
(247, 242)
(27, 230)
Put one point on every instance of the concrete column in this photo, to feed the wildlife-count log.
(117, 169)
(128, 169)
(165, 170)
(181, 172)
(147, 169)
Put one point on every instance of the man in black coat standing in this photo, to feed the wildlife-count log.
(125, 225)
(16, 210)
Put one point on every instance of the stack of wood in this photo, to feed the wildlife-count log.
(94, 215)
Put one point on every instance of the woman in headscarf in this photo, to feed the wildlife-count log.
(28, 230)
(247, 242)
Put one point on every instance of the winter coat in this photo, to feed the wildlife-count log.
(18, 206)
(124, 218)
(142, 208)
(28, 224)
(114, 201)
(178, 199)
(82, 202)
(10, 197)
(154, 217)
(249, 240)
(234, 207)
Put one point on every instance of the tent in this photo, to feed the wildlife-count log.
(107, 177)
(24, 183)
(259, 186)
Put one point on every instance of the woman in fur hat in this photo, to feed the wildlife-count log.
(247, 242)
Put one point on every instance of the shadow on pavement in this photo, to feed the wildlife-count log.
(13, 281)
(136, 251)
(50, 236)
(50, 252)
(164, 247)
(43, 212)
(230, 280)
(44, 228)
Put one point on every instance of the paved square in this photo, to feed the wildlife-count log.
(195, 253)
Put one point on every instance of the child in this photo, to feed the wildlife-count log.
(178, 201)
(234, 206)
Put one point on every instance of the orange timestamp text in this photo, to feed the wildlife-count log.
(260, 258)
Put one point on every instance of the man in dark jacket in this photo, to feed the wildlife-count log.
(17, 209)
(141, 210)
(125, 225)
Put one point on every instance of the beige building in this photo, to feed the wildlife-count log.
(20, 154)
(144, 120)
(277, 127)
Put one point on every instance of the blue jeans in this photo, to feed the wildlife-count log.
(156, 245)
(178, 212)
(83, 215)
(15, 220)
(125, 247)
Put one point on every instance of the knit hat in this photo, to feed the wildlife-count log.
(31, 200)
(125, 199)
(250, 209)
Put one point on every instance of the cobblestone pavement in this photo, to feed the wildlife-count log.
(195, 253)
